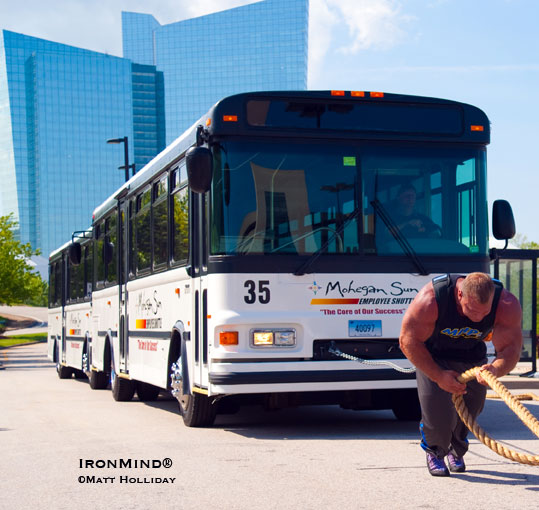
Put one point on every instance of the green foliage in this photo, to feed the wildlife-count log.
(18, 282)
(521, 241)
(23, 339)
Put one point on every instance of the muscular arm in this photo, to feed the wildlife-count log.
(417, 326)
(506, 336)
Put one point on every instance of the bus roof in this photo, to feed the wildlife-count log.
(75, 237)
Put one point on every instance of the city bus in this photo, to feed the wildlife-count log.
(70, 306)
(269, 254)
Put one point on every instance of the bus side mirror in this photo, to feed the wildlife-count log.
(503, 222)
(75, 253)
(199, 163)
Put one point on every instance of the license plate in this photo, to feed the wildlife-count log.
(364, 328)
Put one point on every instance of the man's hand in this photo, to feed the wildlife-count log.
(491, 368)
(448, 382)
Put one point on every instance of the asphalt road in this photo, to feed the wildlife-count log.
(54, 435)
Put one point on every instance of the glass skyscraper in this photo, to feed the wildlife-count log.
(58, 106)
(260, 46)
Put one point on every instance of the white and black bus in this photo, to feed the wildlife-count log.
(270, 245)
(70, 306)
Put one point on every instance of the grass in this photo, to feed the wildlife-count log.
(23, 339)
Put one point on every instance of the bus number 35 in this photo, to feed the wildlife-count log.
(264, 295)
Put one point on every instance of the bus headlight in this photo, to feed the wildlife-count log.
(273, 337)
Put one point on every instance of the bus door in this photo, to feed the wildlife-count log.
(200, 288)
(123, 271)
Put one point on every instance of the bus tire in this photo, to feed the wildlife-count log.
(147, 392)
(197, 410)
(98, 380)
(79, 374)
(122, 389)
(405, 405)
(63, 372)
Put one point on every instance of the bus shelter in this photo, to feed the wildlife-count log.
(517, 270)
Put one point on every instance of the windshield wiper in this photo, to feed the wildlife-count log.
(399, 237)
(308, 263)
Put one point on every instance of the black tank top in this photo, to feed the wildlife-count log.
(455, 336)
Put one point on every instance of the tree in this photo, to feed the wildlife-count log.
(521, 241)
(18, 282)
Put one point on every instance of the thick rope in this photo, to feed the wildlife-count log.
(523, 396)
(527, 418)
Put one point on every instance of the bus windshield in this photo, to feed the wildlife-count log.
(295, 198)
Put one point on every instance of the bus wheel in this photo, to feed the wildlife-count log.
(405, 405)
(197, 410)
(122, 389)
(147, 392)
(62, 371)
(98, 380)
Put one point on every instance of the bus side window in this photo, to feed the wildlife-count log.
(132, 252)
(160, 224)
(111, 249)
(55, 284)
(180, 216)
(99, 261)
(88, 270)
(75, 279)
(143, 249)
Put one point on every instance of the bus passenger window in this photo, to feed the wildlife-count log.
(180, 230)
(143, 250)
(88, 270)
(159, 224)
(99, 261)
(111, 247)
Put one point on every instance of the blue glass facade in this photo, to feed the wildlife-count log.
(58, 106)
(260, 46)
(148, 113)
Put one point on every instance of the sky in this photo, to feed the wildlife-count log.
(482, 52)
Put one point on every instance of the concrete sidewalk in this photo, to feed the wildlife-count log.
(521, 378)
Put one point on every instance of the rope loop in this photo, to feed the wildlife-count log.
(527, 418)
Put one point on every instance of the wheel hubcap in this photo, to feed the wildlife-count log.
(176, 378)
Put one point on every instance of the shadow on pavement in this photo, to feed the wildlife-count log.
(530, 481)
(23, 357)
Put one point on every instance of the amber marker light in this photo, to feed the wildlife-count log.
(477, 128)
(337, 92)
(228, 338)
(357, 93)
(230, 118)
(376, 94)
(208, 122)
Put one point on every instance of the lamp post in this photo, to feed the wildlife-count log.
(126, 166)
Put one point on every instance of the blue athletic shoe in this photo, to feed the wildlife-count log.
(436, 466)
(456, 464)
